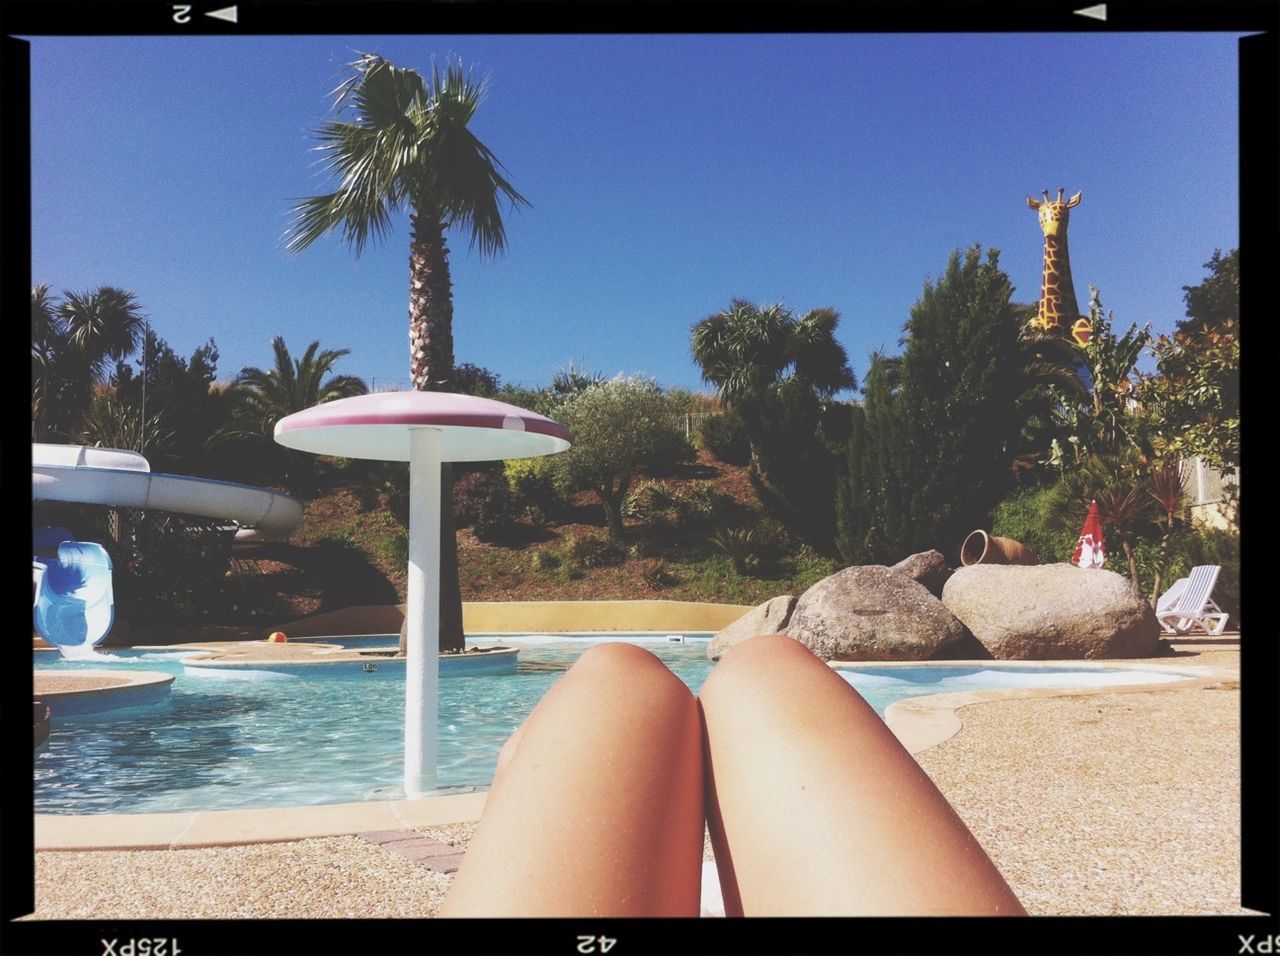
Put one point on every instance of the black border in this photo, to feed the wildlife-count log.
(1260, 657)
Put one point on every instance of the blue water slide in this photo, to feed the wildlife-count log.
(75, 605)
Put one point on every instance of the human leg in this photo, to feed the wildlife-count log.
(815, 808)
(597, 806)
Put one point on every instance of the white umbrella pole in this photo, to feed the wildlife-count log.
(422, 613)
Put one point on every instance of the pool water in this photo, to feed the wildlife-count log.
(265, 739)
(253, 740)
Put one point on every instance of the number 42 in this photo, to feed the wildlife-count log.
(595, 944)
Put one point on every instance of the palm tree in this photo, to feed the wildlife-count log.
(748, 353)
(779, 373)
(73, 340)
(264, 396)
(293, 384)
(406, 146)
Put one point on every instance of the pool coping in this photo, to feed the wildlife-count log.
(919, 723)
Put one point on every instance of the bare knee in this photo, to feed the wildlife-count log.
(760, 661)
(613, 655)
(508, 751)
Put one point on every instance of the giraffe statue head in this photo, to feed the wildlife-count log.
(1058, 307)
(1054, 213)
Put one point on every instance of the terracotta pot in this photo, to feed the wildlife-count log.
(982, 548)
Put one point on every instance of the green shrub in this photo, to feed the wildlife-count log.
(657, 574)
(1212, 546)
(533, 487)
(483, 500)
(649, 502)
(544, 560)
(593, 551)
(1021, 516)
(725, 437)
(394, 549)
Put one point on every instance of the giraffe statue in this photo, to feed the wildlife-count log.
(1057, 294)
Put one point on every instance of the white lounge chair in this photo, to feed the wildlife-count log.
(1169, 600)
(1192, 605)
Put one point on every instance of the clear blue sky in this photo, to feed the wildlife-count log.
(667, 175)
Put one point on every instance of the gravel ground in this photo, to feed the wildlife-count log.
(1091, 805)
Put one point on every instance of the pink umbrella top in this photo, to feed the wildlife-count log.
(377, 426)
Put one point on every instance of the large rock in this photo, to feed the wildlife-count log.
(928, 568)
(769, 618)
(1052, 612)
(872, 613)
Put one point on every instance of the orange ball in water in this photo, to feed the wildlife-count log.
(277, 637)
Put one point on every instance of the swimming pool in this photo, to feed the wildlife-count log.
(270, 739)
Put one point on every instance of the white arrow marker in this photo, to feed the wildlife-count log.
(226, 13)
(1098, 12)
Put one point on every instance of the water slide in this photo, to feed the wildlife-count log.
(123, 479)
(73, 604)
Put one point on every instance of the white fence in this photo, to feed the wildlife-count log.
(1212, 495)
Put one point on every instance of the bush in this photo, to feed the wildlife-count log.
(394, 549)
(656, 575)
(725, 437)
(756, 549)
(483, 501)
(649, 502)
(533, 488)
(592, 551)
(545, 560)
(1021, 516)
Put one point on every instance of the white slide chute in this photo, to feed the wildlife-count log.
(123, 479)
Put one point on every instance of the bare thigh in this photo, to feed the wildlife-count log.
(815, 808)
(597, 806)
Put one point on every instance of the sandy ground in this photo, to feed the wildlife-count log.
(1122, 803)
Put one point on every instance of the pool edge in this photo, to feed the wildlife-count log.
(919, 723)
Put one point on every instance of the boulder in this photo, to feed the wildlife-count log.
(1052, 612)
(872, 613)
(769, 618)
(928, 568)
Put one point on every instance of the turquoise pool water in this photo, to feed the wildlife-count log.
(275, 740)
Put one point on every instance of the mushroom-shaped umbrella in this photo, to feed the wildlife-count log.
(424, 429)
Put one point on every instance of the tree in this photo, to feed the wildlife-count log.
(940, 423)
(1108, 421)
(176, 395)
(407, 147)
(620, 427)
(1053, 380)
(1192, 406)
(290, 385)
(1193, 403)
(779, 373)
(73, 340)
(1215, 301)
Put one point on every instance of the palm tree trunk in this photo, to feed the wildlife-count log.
(452, 637)
(430, 306)
(431, 370)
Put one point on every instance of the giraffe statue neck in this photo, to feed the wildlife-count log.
(1058, 306)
